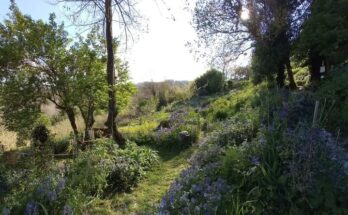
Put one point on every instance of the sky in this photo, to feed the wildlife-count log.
(159, 53)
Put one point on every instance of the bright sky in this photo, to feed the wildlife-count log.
(157, 55)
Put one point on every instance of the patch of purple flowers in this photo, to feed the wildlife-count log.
(67, 210)
(49, 189)
(198, 190)
(32, 208)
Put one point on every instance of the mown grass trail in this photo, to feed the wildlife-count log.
(147, 195)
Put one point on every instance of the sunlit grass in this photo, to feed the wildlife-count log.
(147, 195)
(7, 139)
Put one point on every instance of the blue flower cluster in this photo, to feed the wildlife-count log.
(32, 208)
(312, 152)
(49, 189)
(198, 190)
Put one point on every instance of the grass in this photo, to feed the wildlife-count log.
(7, 139)
(147, 195)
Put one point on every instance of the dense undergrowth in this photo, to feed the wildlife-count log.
(259, 152)
(264, 154)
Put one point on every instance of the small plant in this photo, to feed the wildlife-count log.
(210, 82)
(184, 130)
(130, 167)
(40, 135)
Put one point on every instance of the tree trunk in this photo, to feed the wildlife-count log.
(71, 116)
(292, 84)
(111, 121)
(280, 76)
(88, 119)
(315, 62)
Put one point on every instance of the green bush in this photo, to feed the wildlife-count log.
(210, 82)
(240, 128)
(88, 172)
(130, 167)
(333, 96)
(287, 171)
(62, 146)
(301, 76)
(184, 130)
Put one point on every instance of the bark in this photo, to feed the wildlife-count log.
(315, 62)
(71, 116)
(111, 120)
(89, 120)
(280, 76)
(292, 84)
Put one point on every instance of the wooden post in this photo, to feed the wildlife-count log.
(315, 116)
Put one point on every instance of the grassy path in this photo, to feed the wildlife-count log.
(150, 190)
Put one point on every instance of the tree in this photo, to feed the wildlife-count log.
(268, 23)
(103, 11)
(90, 87)
(212, 81)
(323, 38)
(43, 67)
(32, 65)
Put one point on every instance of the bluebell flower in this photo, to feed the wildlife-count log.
(6, 211)
(61, 184)
(31, 208)
(52, 196)
(255, 161)
(67, 210)
(283, 114)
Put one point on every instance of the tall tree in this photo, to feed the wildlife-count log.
(242, 25)
(38, 63)
(104, 12)
(323, 38)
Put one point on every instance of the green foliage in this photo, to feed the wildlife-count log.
(124, 88)
(142, 130)
(211, 82)
(153, 96)
(182, 132)
(48, 67)
(264, 64)
(237, 100)
(40, 135)
(301, 76)
(274, 175)
(88, 172)
(240, 128)
(130, 167)
(62, 146)
(332, 93)
(325, 31)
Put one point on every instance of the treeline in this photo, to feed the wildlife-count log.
(312, 34)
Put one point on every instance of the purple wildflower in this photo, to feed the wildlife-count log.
(67, 210)
(31, 208)
(6, 211)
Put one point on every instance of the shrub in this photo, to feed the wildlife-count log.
(3, 186)
(333, 94)
(62, 146)
(297, 171)
(40, 135)
(210, 82)
(130, 167)
(234, 131)
(183, 132)
(88, 172)
(284, 106)
(301, 76)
